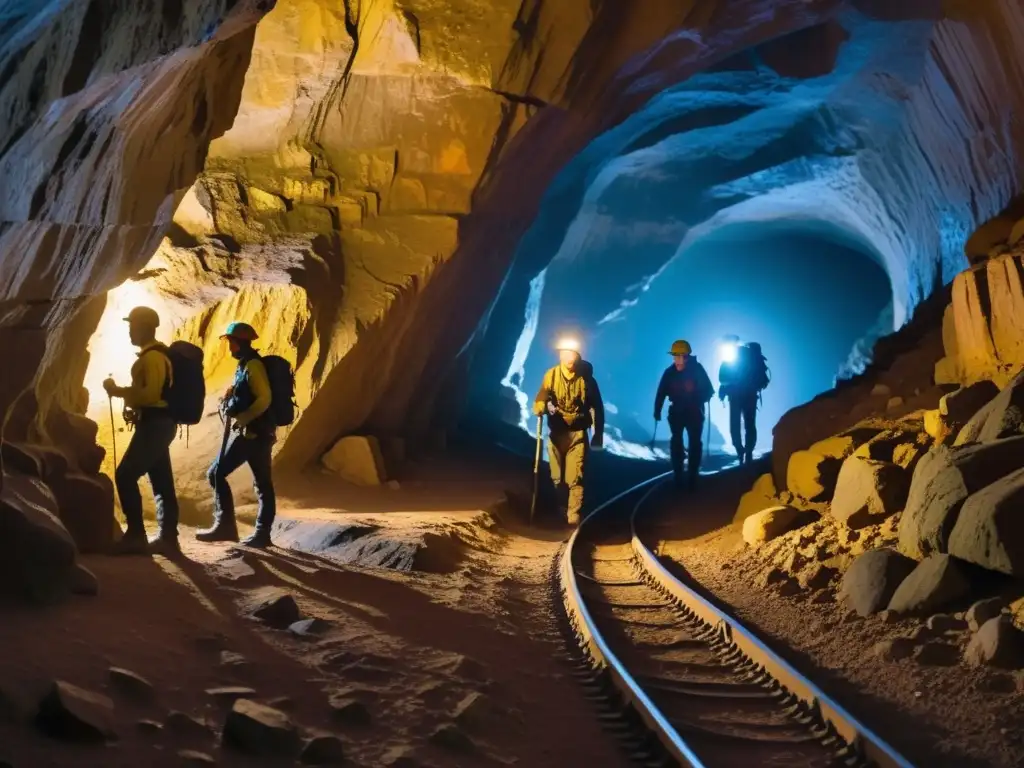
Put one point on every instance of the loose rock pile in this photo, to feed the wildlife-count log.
(909, 518)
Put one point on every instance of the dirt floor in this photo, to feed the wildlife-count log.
(934, 714)
(456, 660)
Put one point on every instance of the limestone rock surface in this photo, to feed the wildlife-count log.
(358, 460)
(869, 584)
(936, 582)
(770, 523)
(989, 530)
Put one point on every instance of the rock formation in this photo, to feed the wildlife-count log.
(355, 178)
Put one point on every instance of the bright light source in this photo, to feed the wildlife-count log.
(729, 352)
(568, 344)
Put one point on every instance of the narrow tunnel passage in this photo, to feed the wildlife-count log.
(805, 296)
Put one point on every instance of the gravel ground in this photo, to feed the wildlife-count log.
(936, 713)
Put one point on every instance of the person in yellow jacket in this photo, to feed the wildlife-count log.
(254, 433)
(568, 397)
(148, 452)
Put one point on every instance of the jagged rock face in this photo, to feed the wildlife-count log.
(383, 162)
(109, 111)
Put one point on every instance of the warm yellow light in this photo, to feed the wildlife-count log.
(568, 344)
(110, 349)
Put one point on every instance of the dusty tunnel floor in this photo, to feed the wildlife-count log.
(432, 640)
(447, 659)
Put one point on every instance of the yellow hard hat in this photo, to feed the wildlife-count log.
(680, 347)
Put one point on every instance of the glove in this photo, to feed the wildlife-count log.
(597, 442)
(538, 409)
(552, 409)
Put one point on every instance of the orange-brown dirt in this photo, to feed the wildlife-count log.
(410, 646)
(935, 715)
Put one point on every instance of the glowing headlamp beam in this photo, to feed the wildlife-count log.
(728, 352)
(568, 344)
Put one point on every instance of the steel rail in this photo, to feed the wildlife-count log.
(861, 740)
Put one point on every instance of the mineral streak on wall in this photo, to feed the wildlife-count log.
(383, 162)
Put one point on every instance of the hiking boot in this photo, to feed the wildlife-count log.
(221, 530)
(132, 543)
(260, 539)
(167, 546)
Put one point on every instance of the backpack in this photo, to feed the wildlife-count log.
(756, 366)
(186, 395)
(282, 390)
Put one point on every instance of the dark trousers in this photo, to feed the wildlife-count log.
(256, 452)
(149, 454)
(743, 417)
(692, 421)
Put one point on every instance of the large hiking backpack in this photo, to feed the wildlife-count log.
(756, 366)
(186, 396)
(282, 389)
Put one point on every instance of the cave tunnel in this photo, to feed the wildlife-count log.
(411, 200)
(806, 297)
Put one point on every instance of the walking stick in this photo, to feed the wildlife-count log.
(223, 441)
(707, 444)
(536, 470)
(654, 437)
(113, 431)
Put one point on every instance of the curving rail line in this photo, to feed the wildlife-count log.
(699, 688)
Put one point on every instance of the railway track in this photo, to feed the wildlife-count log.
(680, 681)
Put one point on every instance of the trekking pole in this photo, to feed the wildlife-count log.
(707, 449)
(223, 441)
(113, 431)
(654, 437)
(536, 470)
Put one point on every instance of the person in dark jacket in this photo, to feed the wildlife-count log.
(741, 378)
(247, 403)
(686, 385)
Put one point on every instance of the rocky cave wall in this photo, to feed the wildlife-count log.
(384, 160)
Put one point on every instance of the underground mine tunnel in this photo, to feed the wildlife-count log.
(413, 203)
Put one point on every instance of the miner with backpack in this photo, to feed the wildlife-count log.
(148, 453)
(254, 406)
(741, 379)
(568, 396)
(686, 385)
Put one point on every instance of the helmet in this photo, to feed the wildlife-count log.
(240, 332)
(144, 316)
(680, 347)
(568, 344)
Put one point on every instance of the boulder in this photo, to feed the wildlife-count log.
(869, 584)
(71, 713)
(936, 582)
(997, 643)
(323, 750)
(770, 523)
(37, 554)
(357, 460)
(942, 481)
(278, 609)
(983, 610)
(131, 685)
(935, 425)
(989, 530)
(812, 474)
(86, 505)
(868, 491)
(882, 447)
(906, 455)
(259, 730)
(1002, 416)
(959, 407)
(760, 496)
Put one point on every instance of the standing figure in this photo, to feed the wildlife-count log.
(741, 378)
(149, 452)
(568, 396)
(687, 386)
(253, 434)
